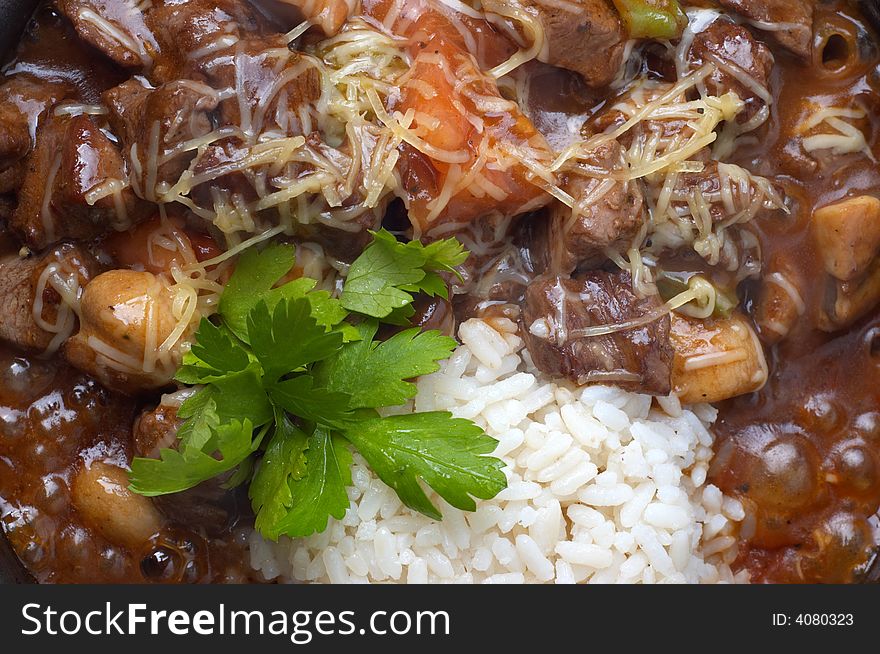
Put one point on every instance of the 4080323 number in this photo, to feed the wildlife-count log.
(824, 619)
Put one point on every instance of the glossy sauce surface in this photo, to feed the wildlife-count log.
(54, 422)
(50, 49)
(804, 452)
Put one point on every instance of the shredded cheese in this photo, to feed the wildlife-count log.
(843, 137)
(66, 283)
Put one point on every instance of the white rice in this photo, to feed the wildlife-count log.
(604, 486)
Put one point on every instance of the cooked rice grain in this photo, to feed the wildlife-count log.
(603, 486)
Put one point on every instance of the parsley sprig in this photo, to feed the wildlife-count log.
(291, 380)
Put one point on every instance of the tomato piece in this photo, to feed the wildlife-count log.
(155, 246)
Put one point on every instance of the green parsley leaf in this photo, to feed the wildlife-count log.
(444, 255)
(317, 405)
(289, 338)
(256, 271)
(214, 354)
(254, 279)
(432, 284)
(241, 396)
(242, 473)
(236, 397)
(216, 348)
(383, 278)
(373, 281)
(444, 452)
(286, 361)
(199, 415)
(326, 309)
(283, 462)
(374, 374)
(401, 317)
(299, 507)
(181, 469)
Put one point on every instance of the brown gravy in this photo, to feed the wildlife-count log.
(53, 421)
(804, 452)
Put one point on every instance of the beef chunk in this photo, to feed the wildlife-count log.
(795, 15)
(706, 210)
(156, 430)
(115, 27)
(618, 110)
(256, 68)
(197, 35)
(224, 154)
(585, 36)
(89, 162)
(606, 213)
(19, 284)
(24, 104)
(154, 118)
(733, 54)
(717, 180)
(75, 185)
(555, 312)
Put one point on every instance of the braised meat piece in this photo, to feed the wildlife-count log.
(558, 313)
(585, 36)
(607, 212)
(155, 430)
(790, 21)
(35, 317)
(152, 121)
(221, 164)
(75, 186)
(115, 27)
(735, 56)
(197, 35)
(275, 87)
(24, 104)
(705, 210)
(92, 169)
